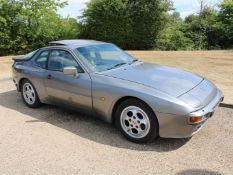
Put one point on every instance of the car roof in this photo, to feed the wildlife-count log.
(74, 43)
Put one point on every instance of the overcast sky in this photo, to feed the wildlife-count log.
(185, 7)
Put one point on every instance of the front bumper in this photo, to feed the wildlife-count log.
(174, 126)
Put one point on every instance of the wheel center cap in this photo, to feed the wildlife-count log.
(134, 122)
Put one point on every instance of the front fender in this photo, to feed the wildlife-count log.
(107, 91)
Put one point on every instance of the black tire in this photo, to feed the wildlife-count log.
(152, 131)
(36, 102)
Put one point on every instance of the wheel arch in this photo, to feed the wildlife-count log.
(21, 81)
(119, 101)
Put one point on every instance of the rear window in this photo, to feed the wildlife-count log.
(41, 60)
(30, 55)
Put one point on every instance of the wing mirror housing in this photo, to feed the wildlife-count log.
(71, 71)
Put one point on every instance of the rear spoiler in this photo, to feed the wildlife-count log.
(19, 58)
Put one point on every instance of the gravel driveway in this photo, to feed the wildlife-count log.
(51, 140)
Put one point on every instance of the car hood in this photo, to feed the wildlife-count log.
(170, 80)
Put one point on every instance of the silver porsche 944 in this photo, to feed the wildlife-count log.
(144, 100)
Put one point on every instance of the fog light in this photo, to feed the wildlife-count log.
(195, 119)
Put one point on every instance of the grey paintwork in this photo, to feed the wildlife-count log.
(174, 95)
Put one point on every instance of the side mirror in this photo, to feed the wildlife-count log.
(72, 71)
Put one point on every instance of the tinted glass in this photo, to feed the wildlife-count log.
(41, 60)
(60, 59)
(30, 55)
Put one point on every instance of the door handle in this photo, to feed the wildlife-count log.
(49, 76)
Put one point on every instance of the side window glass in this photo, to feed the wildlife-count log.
(60, 59)
(41, 60)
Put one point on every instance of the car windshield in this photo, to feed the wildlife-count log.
(103, 57)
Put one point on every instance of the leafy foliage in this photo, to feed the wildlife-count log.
(225, 24)
(146, 24)
(26, 25)
(29, 24)
(173, 37)
(132, 24)
(210, 29)
(106, 20)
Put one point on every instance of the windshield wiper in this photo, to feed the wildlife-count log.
(117, 65)
(133, 61)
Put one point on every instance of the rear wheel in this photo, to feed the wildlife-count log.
(29, 94)
(136, 121)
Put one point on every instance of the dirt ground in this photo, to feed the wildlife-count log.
(5, 67)
(51, 140)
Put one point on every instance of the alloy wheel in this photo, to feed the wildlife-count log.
(135, 122)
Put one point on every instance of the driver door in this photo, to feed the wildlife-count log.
(66, 89)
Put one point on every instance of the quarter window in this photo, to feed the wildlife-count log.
(41, 60)
(60, 59)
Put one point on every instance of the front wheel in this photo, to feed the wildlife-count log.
(29, 94)
(136, 121)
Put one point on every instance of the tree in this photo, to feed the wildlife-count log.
(106, 20)
(202, 30)
(30, 24)
(173, 36)
(26, 25)
(69, 28)
(147, 19)
(225, 23)
(40, 21)
(132, 24)
(9, 25)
